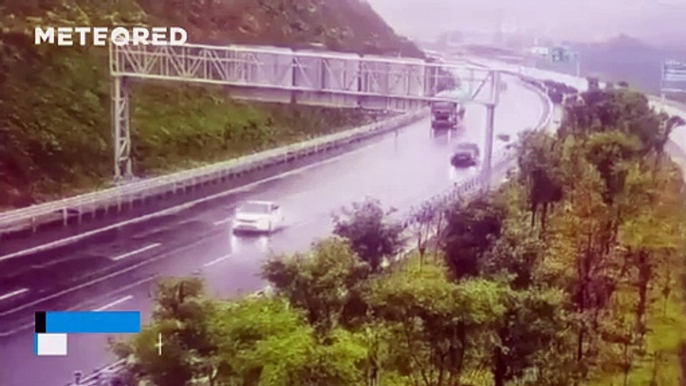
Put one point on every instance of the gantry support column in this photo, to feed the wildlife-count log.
(490, 131)
(488, 157)
(121, 129)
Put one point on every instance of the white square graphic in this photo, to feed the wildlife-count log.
(51, 344)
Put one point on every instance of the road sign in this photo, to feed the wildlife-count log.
(674, 71)
(556, 59)
(561, 54)
(673, 76)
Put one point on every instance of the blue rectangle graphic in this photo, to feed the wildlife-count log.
(93, 322)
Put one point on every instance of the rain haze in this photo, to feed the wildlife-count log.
(342, 192)
(656, 21)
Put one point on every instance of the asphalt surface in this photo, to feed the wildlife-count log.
(115, 272)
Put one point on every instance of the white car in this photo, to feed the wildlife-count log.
(258, 216)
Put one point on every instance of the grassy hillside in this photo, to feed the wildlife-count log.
(55, 106)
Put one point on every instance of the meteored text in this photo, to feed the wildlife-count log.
(120, 36)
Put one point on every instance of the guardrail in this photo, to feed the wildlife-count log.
(101, 376)
(33, 216)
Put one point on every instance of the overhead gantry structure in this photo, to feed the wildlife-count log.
(319, 78)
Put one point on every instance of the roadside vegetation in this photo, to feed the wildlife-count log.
(572, 273)
(55, 132)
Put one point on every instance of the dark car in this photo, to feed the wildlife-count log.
(465, 155)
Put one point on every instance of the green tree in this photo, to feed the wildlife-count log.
(441, 330)
(606, 110)
(327, 283)
(372, 234)
(471, 228)
(427, 221)
(182, 317)
(533, 347)
(603, 159)
(609, 152)
(538, 163)
(652, 236)
(266, 342)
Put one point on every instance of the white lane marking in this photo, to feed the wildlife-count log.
(7, 333)
(114, 303)
(16, 330)
(217, 260)
(51, 263)
(137, 251)
(106, 277)
(176, 209)
(221, 222)
(306, 222)
(298, 194)
(14, 293)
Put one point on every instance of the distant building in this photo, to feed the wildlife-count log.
(540, 51)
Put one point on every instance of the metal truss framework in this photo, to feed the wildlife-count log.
(121, 130)
(304, 77)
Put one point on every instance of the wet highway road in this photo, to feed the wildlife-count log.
(399, 169)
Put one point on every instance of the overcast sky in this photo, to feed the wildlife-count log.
(654, 20)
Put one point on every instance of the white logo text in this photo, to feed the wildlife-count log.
(120, 36)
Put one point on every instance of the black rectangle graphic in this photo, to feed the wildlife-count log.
(40, 322)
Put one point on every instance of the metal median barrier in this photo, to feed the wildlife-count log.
(60, 210)
(101, 376)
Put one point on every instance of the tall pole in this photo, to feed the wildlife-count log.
(490, 130)
(662, 84)
(121, 130)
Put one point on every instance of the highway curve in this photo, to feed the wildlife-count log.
(401, 169)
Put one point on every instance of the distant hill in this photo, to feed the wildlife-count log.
(626, 58)
(346, 25)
